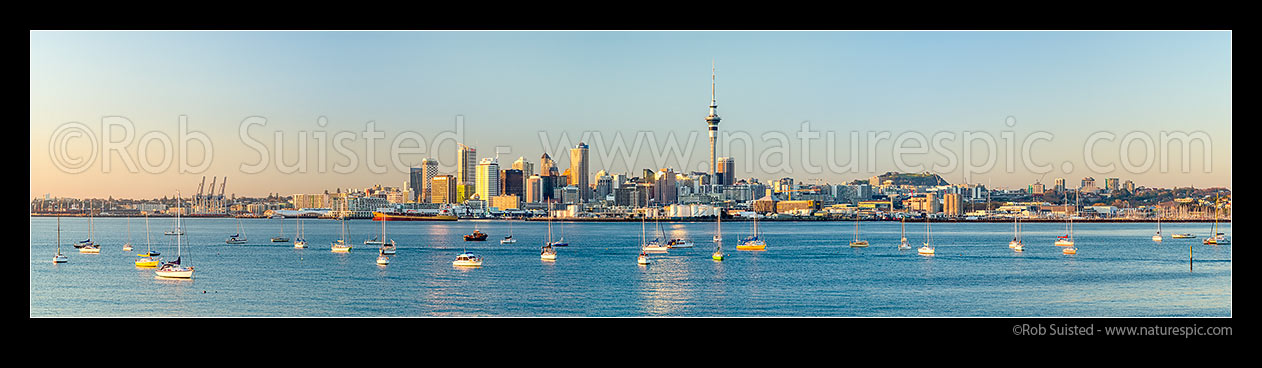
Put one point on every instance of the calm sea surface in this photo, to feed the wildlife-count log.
(807, 270)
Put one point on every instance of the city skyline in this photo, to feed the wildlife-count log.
(1101, 88)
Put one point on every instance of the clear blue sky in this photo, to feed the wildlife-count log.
(511, 87)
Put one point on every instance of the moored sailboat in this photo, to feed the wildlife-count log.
(175, 269)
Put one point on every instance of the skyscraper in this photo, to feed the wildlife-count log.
(534, 189)
(512, 183)
(547, 166)
(725, 174)
(422, 178)
(527, 168)
(418, 185)
(578, 171)
(712, 121)
(443, 189)
(488, 179)
(467, 162)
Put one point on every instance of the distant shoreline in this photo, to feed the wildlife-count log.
(700, 219)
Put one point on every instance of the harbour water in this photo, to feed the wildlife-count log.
(807, 270)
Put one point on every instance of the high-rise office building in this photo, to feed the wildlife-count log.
(726, 171)
(467, 163)
(421, 179)
(1059, 185)
(578, 171)
(547, 167)
(1112, 184)
(488, 179)
(527, 168)
(604, 186)
(534, 189)
(443, 189)
(664, 187)
(512, 183)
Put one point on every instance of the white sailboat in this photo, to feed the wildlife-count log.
(1157, 237)
(902, 243)
(127, 245)
(299, 240)
(281, 238)
(927, 249)
(509, 238)
(59, 258)
(547, 252)
(1016, 243)
(175, 269)
(88, 246)
(1070, 248)
(754, 241)
(387, 245)
(856, 243)
(718, 237)
(150, 258)
(387, 249)
(340, 245)
(239, 237)
(1215, 237)
(1067, 240)
(175, 230)
(718, 226)
(561, 242)
(650, 246)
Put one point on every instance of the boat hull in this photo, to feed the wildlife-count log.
(466, 264)
(1064, 243)
(175, 274)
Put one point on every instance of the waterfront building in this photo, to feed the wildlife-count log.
(308, 201)
(952, 205)
(505, 202)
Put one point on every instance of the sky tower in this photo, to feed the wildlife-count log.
(713, 122)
